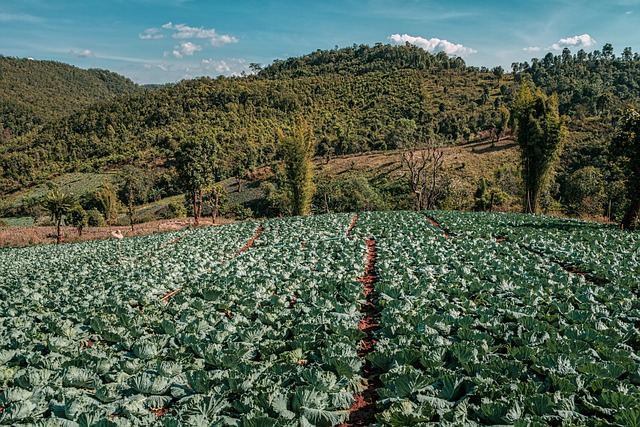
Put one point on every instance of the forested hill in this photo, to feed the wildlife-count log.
(358, 60)
(32, 92)
(351, 111)
(356, 99)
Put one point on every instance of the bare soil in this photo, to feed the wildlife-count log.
(437, 225)
(251, 241)
(352, 225)
(363, 410)
(38, 235)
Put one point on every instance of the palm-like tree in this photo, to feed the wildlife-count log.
(58, 204)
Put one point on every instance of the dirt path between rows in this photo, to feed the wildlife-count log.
(352, 225)
(363, 411)
(251, 241)
(437, 225)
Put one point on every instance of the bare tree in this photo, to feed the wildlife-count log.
(423, 156)
(424, 165)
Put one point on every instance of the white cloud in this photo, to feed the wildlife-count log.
(183, 31)
(186, 49)
(152, 33)
(584, 40)
(86, 53)
(628, 12)
(174, 71)
(232, 67)
(532, 49)
(432, 45)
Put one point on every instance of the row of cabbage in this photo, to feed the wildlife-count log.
(475, 332)
(286, 230)
(397, 225)
(261, 337)
(603, 251)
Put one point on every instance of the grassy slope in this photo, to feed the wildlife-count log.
(465, 162)
(74, 183)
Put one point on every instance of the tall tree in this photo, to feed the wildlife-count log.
(134, 190)
(297, 150)
(196, 164)
(58, 204)
(503, 118)
(540, 136)
(214, 196)
(109, 203)
(626, 147)
(77, 217)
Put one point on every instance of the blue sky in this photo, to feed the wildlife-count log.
(160, 41)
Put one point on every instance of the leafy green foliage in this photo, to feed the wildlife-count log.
(540, 136)
(505, 336)
(352, 108)
(626, 147)
(32, 92)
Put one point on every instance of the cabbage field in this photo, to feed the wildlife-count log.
(466, 319)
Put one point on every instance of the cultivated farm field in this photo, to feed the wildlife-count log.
(381, 318)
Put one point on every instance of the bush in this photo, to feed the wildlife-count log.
(585, 192)
(77, 217)
(177, 210)
(239, 212)
(351, 194)
(95, 218)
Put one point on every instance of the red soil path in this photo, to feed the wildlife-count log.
(363, 410)
(251, 241)
(437, 225)
(352, 225)
(169, 295)
(174, 241)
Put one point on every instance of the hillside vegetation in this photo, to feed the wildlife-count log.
(356, 99)
(34, 92)
(352, 109)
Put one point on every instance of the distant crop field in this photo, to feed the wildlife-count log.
(74, 183)
(17, 222)
(378, 318)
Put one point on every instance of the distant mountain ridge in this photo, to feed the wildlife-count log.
(33, 91)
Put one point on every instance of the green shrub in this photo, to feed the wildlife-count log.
(95, 218)
(239, 212)
(177, 210)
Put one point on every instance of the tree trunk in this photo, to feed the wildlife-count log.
(59, 231)
(214, 211)
(131, 216)
(132, 211)
(196, 220)
(197, 206)
(630, 220)
(326, 203)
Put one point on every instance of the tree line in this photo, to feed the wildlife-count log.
(363, 98)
